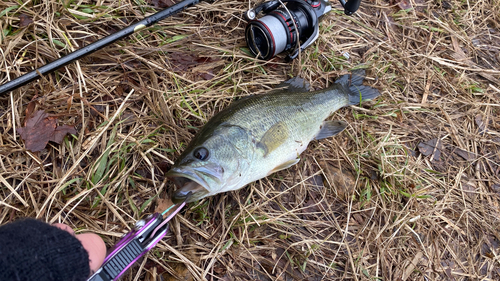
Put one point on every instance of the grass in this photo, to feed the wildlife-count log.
(364, 205)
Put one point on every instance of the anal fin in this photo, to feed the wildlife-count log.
(330, 128)
(285, 165)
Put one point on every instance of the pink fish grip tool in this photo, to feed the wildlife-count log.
(145, 235)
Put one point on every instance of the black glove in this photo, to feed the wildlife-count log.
(34, 250)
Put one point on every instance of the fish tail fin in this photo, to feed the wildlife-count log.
(353, 84)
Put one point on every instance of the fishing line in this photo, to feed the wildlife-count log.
(297, 46)
(168, 209)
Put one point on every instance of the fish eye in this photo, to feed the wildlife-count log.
(201, 153)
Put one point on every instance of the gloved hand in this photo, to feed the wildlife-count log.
(34, 250)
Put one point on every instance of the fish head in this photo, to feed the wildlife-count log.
(213, 162)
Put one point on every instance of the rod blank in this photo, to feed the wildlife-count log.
(48, 68)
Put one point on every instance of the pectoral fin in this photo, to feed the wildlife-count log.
(285, 165)
(330, 128)
(273, 138)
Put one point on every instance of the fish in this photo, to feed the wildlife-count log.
(259, 135)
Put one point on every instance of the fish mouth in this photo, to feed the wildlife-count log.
(190, 185)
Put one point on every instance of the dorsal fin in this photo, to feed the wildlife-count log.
(294, 85)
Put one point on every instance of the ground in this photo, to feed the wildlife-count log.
(410, 191)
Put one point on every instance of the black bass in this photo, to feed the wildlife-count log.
(259, 135)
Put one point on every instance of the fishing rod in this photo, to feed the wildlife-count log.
(266, 37)
(50, 67)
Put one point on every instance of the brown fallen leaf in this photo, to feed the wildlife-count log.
(30, 108)
(162, 3)
(164, 166)
(480, 124)
(446, 5)
(180, 272)
(341, 179)
(40, 129)
(405, 4)
(314, 206)
(449, 268)
(433, 146)
(24, 20)
(162, 205)
(205, 70)
(202, 67)
(315, 181)
(469, 188)
(469, 156)
(420, 5)
(460, 56)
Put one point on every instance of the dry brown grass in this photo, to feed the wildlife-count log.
(366, 205)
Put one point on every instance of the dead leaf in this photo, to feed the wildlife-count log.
(433, 146)
(405, 4)
(119, 90)
(40, 129)
(163, 204)
(179, 270)
(459, 54)
(201, 67)
(30, 108)
(446, 5)
(449, 266)
(469, 156)
(490, 247)
(128, 118)
(315, 181)
(469, 188)
(205, 70)
(164, 166)
(24, 20)
(181, 273)
(420, 5)
(92, 139)
(414, 262)
(480, 124)
(341, 179)
(162, 3)
(182, 61)
(410, 151)
(313, 206)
